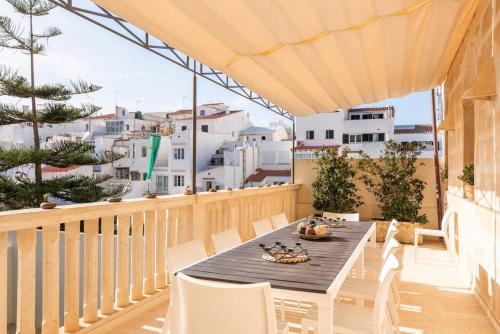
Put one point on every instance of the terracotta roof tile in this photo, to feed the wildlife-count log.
(370, 109)
(413, 129)
(313, 148)
(263, 173)
(212, 116)
(52, 169)
(105, 116)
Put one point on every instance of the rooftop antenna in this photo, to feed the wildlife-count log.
(116, 97)
(138, 102)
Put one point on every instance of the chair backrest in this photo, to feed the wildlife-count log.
(178, 257)
(184, 254)
(448, 216)
(262, 227)
(226, 240)
(391, 246)
(279, 221)
(392, 230)
(390, 268)
(350, 217)
(213, 307)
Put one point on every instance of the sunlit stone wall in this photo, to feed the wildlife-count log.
(471, 101)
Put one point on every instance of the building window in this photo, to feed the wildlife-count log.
(345, 138)
(329, 134)
(144, 151)
(86, 127)
(381, 137)
(369, 116)
(178, 180)
(355, 138)
(144, 176)
(204, 128)
(309, 134)
(127, 126)
(367, 137)
(378, 116)
(178, 154)
(184, 128)
(355, 117)
(162, 184)
(133, 151)
(114, 127)
(263, 138)
(96, 168)
(123, 112)
(202, 112)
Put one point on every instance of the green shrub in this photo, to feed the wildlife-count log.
(392, 180)
(334, 189)
(467, 175)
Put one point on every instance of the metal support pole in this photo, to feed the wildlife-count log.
(293, 150)
(436, 160)
(193, 131)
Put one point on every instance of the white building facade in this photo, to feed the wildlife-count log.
(359, 129)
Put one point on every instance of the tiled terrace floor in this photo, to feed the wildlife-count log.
(434, 299)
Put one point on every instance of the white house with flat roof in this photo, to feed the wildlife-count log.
(359, 129)
(363, 129)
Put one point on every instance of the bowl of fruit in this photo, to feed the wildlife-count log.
(312, 231)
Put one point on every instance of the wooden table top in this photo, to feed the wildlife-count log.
(244, 264)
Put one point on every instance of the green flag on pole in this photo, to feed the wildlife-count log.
(154, 145)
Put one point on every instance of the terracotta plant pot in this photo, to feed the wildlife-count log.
(212, 190)
(469, 191)
(114, 199)
(47, 205)
(150, 196)
(406, 233)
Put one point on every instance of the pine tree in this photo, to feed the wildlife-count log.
(49, 105)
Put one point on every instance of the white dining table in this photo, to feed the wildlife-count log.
(317, 280)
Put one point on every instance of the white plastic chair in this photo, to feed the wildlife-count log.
(279, 221)
(361, 289)
(355, 319)
(262, 227)
(225, 240)
(443, 232)
(209, 307)
(177, 258)
(350, 217)
(392, 229)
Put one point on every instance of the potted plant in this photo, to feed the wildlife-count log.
(444, 178)
(467, 178)
(334, 189)
(391, 179)
(47, 204)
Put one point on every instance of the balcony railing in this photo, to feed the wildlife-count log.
(113, 253)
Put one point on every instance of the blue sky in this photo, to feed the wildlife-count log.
(88, 52)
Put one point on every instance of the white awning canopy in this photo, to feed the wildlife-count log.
(312, 56)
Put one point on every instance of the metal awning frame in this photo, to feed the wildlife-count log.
(122, 28)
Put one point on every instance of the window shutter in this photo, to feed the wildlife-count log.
(345, 138)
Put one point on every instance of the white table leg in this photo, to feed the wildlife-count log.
(359, 266)
(325, 316)
(373, 238)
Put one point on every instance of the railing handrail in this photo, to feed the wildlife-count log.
(14, 220)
